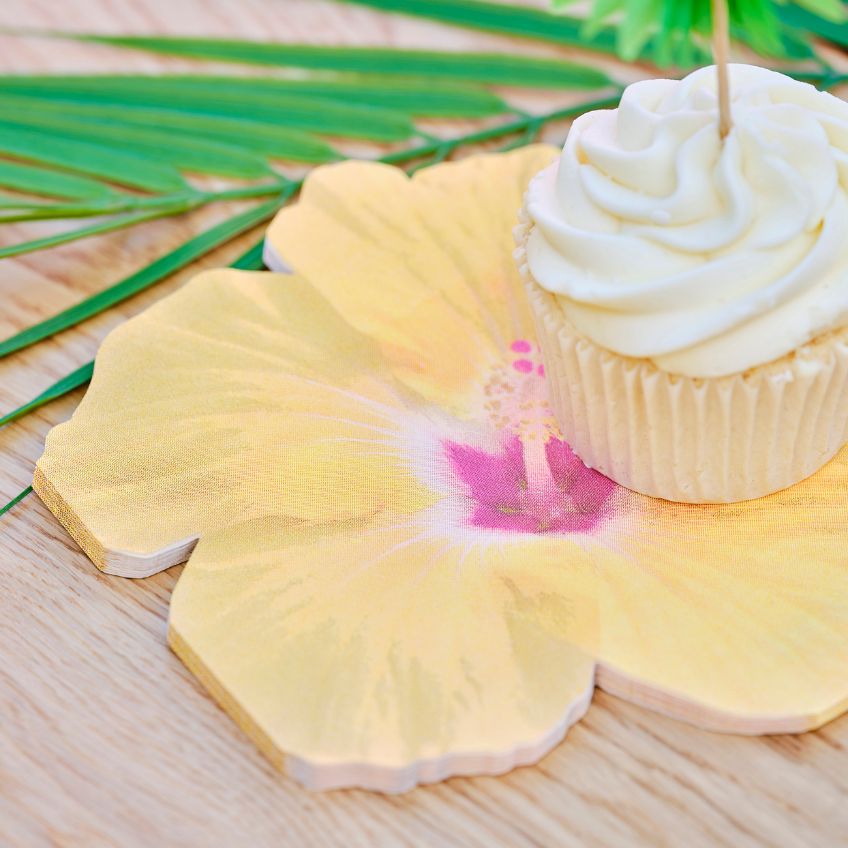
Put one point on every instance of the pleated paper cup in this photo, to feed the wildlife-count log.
(695, 440)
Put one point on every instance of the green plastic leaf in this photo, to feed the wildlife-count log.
(677, 34)
(94, 159)
(674, 41)
(185, 110)
(598, 13)
(50, 183)
(183, 151)
(757, 19)
(674, 30)
(168, 264)
(495, 68)
(411, 96)
(638, 26)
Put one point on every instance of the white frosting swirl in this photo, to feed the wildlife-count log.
(708, 258)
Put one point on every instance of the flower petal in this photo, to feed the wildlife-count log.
(383, 656)
(731, 617)
(242, 395)
(422, 265)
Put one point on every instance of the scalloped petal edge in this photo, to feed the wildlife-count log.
(388, 779)
(110, 561)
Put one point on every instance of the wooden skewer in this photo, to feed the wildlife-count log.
(721, 54)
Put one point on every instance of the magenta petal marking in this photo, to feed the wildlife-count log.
(562, 462)
(570, 499)
(589, 489)
(495, 480)
(521, 346)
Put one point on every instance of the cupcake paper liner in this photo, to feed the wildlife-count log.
(695, 440)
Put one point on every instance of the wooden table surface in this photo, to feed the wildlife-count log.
(107, 740)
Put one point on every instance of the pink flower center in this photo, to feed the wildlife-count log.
(532, 482)
(567, 497)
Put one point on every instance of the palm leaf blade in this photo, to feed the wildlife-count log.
(493, 68)
(183, 151)
(78, 377)
(500, 17)
(15, 501)
(92, 159)
(50, 183)
(412, 96)
(157, 270)
(794, 16)
(187, 113)
(99, 228)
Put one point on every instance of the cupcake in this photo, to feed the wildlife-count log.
(691, 292)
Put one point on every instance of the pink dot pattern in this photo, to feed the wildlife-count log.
(527, 363)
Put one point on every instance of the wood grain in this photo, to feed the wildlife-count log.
(106, 739)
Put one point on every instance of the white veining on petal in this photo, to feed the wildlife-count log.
(708, 258)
